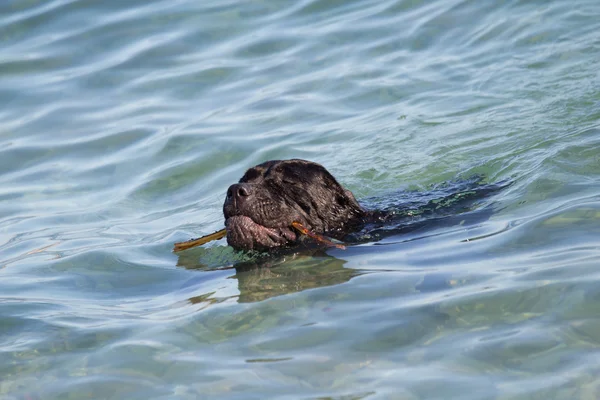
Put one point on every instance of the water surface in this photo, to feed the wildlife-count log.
(123, 123)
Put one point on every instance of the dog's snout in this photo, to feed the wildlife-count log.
(238, 191)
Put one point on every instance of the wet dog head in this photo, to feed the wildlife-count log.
(260, 209)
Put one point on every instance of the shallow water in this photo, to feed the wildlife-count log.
(123, 123)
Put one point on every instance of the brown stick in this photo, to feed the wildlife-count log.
(199, 241)
(319, 238)
(188, 244)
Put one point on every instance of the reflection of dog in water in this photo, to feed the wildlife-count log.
(272, 277)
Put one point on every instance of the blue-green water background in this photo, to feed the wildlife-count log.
(123, 122)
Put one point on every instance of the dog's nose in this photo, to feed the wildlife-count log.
(239, 191)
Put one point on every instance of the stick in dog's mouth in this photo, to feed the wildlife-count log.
(319, 238)
(188, 244)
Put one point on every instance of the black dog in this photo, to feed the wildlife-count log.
(260, 209)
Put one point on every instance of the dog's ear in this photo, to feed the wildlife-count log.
(348, 200)
(350, 195)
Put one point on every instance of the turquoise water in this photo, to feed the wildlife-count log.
(123, 123)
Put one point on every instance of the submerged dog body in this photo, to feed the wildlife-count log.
(259, 210)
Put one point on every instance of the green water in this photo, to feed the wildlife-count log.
(122, 123)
